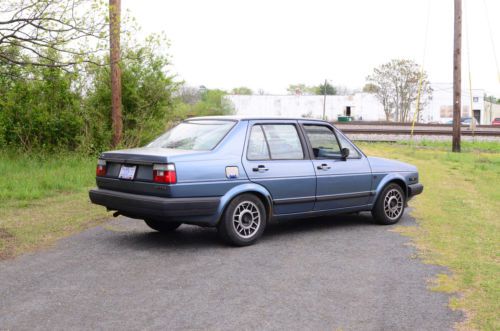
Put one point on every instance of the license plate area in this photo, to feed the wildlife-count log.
(127, 172)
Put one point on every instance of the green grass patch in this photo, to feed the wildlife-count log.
(466, 146)
(28, 177)
(44, 197)
(459, 222)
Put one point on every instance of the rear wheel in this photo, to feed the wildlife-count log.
(243, 221)
(162, 226)
(390, 205)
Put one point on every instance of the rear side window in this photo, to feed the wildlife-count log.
(197, 135)
(274, 141)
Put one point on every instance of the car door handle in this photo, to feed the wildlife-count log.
(324, 166)
(260, 168)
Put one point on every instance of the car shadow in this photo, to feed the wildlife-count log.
(197, 237)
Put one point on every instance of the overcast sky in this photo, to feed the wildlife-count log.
(269, 44)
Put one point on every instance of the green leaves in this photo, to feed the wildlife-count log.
(147, 88)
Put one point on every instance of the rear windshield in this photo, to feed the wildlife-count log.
(196, 135)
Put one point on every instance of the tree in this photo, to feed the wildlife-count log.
(189, 95)
(370, 88)
(491, 99)
(299, 89)
(147, 94)
(396, 85)
(51, 33)
(242, 91)
(212, 103)
(39, 109)
(325, 89)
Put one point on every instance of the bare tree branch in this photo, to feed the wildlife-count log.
(52, 33)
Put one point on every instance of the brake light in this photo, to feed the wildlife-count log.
(164, 173)
(101, 168)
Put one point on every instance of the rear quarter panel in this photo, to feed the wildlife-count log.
(204, 174)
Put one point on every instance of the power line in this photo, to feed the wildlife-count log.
(491, 38)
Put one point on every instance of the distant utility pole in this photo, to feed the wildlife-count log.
(457, 76)
(324, 100)
(116, 74)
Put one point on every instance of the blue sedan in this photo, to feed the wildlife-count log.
(239, 174)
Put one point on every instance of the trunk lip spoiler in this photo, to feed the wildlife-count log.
(134, 160)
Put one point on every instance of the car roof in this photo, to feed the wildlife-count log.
(252, 118)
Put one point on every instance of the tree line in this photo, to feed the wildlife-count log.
(55, 88)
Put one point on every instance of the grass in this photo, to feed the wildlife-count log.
(27, 178)
(44, 198)
(466, 146)
(459, 222)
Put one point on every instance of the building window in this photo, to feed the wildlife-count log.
(475, 99)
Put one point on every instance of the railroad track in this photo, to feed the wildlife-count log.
(371, 128)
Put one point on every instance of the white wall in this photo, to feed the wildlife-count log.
(442, 95)
(364, 106)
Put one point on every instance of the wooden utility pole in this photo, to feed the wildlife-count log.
(116, 74)
(457, 76)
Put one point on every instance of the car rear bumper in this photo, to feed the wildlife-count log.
(415, 189)
(144, 206)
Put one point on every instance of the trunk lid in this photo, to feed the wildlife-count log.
(142, 159)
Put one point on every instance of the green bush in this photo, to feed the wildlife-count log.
(50, 109)
(39, 110)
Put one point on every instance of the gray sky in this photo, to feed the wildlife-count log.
(270, 44)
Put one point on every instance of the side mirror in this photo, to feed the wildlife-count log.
(345, 153)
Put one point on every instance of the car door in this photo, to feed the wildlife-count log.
(276, 158)
(341, 182)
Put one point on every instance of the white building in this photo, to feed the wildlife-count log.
(361, 106)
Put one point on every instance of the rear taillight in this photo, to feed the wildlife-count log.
(101, 168)
(164, 173)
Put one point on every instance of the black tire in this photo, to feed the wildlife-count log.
(243, 221)
(390, 205)
(162, 226)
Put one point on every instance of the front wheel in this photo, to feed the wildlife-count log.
(390, 205)
(162, 226)
(243, 221)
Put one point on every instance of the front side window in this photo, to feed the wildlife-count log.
(323, 141)
(274, 141)
(197, 135)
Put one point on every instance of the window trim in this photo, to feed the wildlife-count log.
(305, 151)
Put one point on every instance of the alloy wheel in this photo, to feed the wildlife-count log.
(246, 219)
(393, 204)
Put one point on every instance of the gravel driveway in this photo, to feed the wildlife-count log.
(342, 273)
